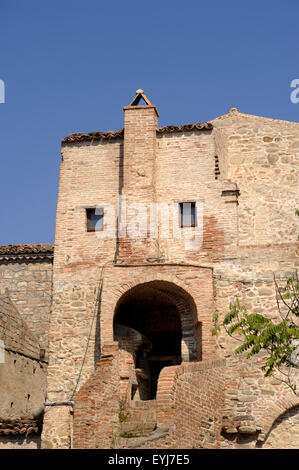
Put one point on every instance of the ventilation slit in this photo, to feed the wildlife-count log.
(217, 170)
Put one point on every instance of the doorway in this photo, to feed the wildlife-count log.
(153, 309)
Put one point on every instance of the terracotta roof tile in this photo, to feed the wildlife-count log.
(110, 135)
(27, 251)
(91, 136)
(200, 126)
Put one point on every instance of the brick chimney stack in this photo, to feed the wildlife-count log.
(138, 186)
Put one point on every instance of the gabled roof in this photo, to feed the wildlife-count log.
(234, 114)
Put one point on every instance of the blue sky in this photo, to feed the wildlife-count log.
(70, 66)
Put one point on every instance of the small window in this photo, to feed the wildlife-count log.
(187, 214)
(95, 219)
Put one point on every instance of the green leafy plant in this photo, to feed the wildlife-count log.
(277, 338)
(215, 320)
(122, 416)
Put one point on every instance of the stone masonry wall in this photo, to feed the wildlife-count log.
(30, 442)
(14, 331)
(285, 431)
(262, 158)
(23, 387)
(245, 240)
(23, 381)
(29, 284)
(76, 307)
(253, 402)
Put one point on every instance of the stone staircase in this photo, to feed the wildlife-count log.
(138, 425)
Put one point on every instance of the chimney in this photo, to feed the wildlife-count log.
(138, 185)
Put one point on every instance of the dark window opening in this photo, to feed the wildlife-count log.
(95, 219)
(187, 214)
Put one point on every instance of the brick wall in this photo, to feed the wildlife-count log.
(76, 307)
(129, 341)
(186, 172)
(97, 405)
(138, 180)
(189, 402)
(244, 241)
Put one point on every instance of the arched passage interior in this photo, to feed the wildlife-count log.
(165, 315)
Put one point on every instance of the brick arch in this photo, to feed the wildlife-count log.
(116, 293)
(184, 303)
(276, 409)
(274, 438)
(113, 293)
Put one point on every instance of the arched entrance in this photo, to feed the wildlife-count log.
(284, 433)
(164, 317)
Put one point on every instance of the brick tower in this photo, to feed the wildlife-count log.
(149, 242)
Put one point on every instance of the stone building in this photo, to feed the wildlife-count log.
(158, 229)
(25, 302)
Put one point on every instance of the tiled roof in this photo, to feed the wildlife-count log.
(98, 135)
(200, 126)
(28, 251)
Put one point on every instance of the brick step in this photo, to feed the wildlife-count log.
(145, 442)
(139, 419)
(143, 404)
(130, 430)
